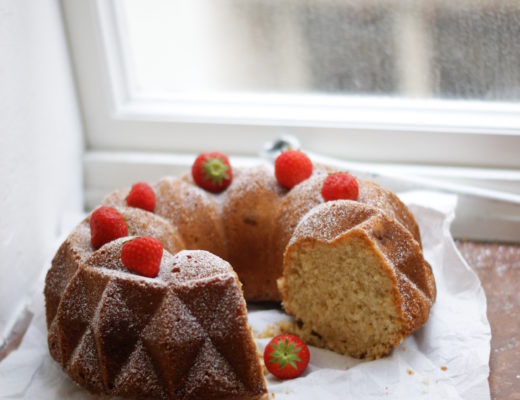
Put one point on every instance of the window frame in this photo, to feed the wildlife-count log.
(419, 131)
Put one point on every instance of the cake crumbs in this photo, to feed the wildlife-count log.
(410, 371)
(444, 368)
(275, 330)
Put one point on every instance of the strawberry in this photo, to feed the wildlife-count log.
(292, 167)
(143, 256)
(340, 186)
(141, 196)
(212, 171)
(106, 224)
(286, 356)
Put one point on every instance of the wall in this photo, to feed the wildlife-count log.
(40, 144)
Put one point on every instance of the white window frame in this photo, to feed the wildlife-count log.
(124, 128)
(437, 132)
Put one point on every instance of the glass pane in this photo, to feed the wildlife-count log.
(465, 49)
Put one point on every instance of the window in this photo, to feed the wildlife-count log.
(431, 83)
(399, 48)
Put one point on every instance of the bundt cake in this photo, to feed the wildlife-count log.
(251, 223)
(181, 335)
(352, 274)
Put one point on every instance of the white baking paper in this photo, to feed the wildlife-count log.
(447, 359)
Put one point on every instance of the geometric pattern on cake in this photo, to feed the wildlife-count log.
(181, 335)
(91, 297)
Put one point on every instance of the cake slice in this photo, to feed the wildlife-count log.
(355, 280)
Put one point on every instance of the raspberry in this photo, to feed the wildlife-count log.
(340, 186)
(212, 172)
(106, 224)
(141, 196)
(292, 167)
(143, 256)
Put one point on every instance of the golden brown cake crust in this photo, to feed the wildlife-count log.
(248, 214)
(182, 335)
(373, 195)
(251, 223)
(77, 248)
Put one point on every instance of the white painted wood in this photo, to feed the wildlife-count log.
(350, 127)
(40, 145)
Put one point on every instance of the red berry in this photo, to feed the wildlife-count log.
(143, 256)
(286, 356)
(106, 224)
(212, 171)
(141, 196)
(340, 186)
(292, 167)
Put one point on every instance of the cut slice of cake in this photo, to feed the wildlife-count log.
(355, 280)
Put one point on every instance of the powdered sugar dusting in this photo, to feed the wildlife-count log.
(329, 220)
(251, 179)
(374, 195)
(144, 223)
(197, 295)
(195, 300)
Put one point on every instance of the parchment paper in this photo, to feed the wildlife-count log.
(447, 359)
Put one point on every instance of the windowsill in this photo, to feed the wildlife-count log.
(476, 218)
